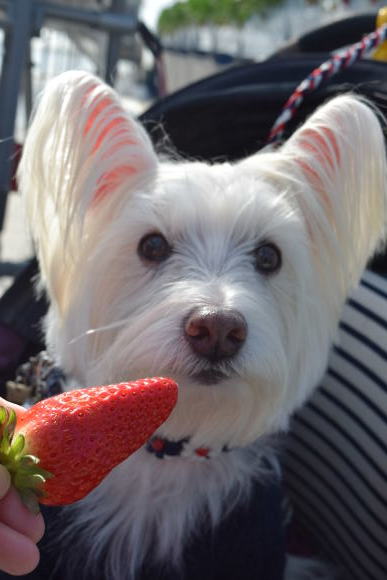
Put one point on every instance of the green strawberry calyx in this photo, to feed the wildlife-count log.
(26, 475)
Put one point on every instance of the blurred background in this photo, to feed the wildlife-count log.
(199, 38)
(232, 30)
(145, 49)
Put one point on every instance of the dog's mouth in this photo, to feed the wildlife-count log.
(211, 376)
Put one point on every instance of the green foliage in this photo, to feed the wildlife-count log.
(216, 12)
(175, 17)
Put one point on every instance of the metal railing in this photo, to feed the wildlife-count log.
(21, 21)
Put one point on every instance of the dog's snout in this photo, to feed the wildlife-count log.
(215, 333)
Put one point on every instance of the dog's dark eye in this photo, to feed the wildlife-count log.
(154, 248)
(268, 258)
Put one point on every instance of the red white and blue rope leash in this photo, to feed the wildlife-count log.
(338, 62)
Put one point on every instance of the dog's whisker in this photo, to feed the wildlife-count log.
(93, 331)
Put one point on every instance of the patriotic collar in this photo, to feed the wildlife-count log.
(163, 448)
(40, 378)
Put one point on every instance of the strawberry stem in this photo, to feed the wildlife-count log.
(26, 475)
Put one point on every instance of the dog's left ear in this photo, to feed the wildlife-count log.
(338, 161)
(82, 149)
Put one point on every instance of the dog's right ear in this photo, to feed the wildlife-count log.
(82, 158)
(82, 149)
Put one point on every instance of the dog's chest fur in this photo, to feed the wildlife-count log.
(237, 526)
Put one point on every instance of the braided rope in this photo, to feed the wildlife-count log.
(338, 62)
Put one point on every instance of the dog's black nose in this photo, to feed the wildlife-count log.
(215, 333)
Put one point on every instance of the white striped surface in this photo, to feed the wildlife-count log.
(336, 464)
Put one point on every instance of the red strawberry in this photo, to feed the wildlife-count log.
(63, 447)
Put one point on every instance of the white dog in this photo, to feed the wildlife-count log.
(230, 278)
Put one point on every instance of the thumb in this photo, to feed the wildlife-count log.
(5, 481)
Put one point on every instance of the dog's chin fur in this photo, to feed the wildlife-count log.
(94, 189)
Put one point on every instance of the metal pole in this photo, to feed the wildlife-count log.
(28, 83)
(114, 45)
(123, 22)
(17, 38)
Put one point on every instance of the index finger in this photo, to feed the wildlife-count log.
(17, 408)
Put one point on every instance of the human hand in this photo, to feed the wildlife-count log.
(20, 530)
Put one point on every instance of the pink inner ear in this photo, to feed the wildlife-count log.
(117, 126)
(321, 144)
(111, 128)
(110, 180)
(116, 133)
(323, 147)
(95, 111)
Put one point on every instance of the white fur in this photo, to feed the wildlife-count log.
(94, 187)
